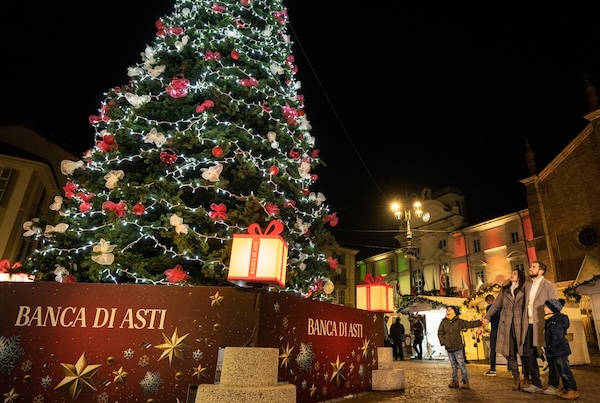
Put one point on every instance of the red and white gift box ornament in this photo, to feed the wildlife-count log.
(376, 295)
(259, 258)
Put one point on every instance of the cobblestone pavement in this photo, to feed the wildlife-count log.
(427, 381)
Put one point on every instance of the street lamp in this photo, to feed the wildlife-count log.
(403, 212)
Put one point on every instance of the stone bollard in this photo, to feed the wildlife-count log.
(386, 377)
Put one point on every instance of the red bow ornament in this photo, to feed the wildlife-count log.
(374, 281)
(219, 212)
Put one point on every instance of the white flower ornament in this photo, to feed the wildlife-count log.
(104, 254)
(212, 174)
(32, 229)
(113, 177)
(67, 167)
(177, 222)
(60, 228)
(57, 203)
(154, 136)
(137, 100)
(181, 44)
(317, 198)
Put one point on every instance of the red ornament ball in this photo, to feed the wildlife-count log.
(294, 154)
(139, 209)
(217, 151)
(168, 156)
(235, 55)
(274, 170)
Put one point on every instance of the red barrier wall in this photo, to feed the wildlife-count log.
(134, 343)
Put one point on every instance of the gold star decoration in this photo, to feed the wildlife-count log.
(365, 347)
(172, 347)
(313, 390)
(216, 299)
(351, 367)
(10, 396)
(120, 375)
(285, 356)
(199, 371)
(78, 376)
(337, 371)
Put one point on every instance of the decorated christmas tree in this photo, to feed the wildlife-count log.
(208, 137)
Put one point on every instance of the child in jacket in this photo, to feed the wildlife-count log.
(557, 347)
(450, 337)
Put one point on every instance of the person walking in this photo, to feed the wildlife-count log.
(397, 334)
(495, 319)
(557, 347)
(537, 292)
(417, 329)
(509, 303)
(450, 337)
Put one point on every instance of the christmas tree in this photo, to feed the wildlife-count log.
(208, 137)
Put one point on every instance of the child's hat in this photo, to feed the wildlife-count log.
(555, 305)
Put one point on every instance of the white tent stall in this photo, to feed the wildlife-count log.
(433, 309)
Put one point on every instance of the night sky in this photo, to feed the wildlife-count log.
(400, 96)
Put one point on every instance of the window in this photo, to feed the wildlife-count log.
(446, 273)
(442, 244)
(586, 237)
(419, 281)
(5, 174)
(514, 237)
(476, 246)
(340, 276)
(479, 278)
(340, 297)
(341, 257)
(518, 265)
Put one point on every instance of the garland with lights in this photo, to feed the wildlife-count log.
(208, 136)
(571, 292)
(483, 291)
(408, 300)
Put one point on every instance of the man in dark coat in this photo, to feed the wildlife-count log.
(397, 335)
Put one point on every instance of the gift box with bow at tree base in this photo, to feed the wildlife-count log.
(375, 295)
(258, 258)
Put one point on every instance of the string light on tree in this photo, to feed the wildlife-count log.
(210, 116)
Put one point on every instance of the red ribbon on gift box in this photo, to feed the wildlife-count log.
(374, 281)
(274, 228)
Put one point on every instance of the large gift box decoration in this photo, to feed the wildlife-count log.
(375, 295)
(259, 258)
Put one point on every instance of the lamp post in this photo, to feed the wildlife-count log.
(404, 210)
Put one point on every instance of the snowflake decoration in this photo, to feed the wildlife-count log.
(305, 357)
(144, 361)
(276, 307)
(197, 355)
(128, 354)
(102, 398)
(304, 384)
(26, 366)
(38, 399)
(348, 384)
(10, 351)
(151, 382)
(324, 390)
(46, 381)
(285, 322)
(317, 366)
(326, 376)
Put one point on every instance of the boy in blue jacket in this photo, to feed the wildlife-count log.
(451, 338)
(557, 347)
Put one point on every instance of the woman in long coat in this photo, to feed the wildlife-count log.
(510, 302)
